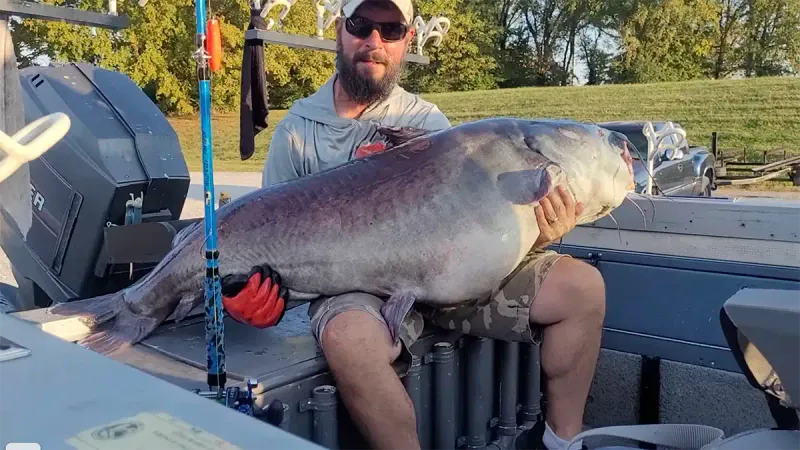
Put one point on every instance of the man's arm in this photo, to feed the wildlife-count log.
(284, 158)
(436, 120)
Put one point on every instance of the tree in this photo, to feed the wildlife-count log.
(772, 38)
(669, 40)
(730, 27)
(155, 51)
(596, 58)
(465, 60)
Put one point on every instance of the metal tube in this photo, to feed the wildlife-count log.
(445, 392)
(42, 11)
(479, 373)
(532, 405)
(277, 414)
(507, 423)
(286, 423)
(413, 386)
(325, 424)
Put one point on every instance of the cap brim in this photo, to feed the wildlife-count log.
(351, 7)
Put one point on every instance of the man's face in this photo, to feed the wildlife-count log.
(370, 66)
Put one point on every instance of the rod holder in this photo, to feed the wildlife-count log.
(75, 16)
(445, 391)
(509, 370)
(325, 426)
(478, 390)
(31, 142)
(413, 385)
(655, 142)
(278, 414)
(531, 411)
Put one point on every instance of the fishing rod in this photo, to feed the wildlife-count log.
(207, 58)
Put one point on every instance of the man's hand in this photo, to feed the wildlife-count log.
(256, 299)
(556, 215)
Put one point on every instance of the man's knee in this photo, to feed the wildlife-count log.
(572, 288)
(357, 335)
(584, 283)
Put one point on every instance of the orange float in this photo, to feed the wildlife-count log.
(214, 44)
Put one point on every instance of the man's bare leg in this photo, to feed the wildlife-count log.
(571, 303)
(359, 353)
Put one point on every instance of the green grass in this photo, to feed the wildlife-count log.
(761, 114)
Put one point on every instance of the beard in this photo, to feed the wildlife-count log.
(364, 89)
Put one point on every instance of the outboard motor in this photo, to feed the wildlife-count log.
(106, 199)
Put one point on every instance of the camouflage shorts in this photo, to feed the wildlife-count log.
(504, 315)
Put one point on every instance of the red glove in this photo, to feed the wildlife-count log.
(256, 299)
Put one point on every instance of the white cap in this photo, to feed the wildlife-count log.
(405, 7)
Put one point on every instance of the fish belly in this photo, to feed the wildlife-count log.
(430, 223)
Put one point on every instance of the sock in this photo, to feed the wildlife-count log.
(551, 440)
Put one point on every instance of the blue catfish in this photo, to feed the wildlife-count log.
(438, 218)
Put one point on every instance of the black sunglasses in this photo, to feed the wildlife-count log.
(361, 28)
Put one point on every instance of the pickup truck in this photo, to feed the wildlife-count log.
(689, 171)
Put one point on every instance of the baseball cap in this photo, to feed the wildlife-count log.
(405, 7)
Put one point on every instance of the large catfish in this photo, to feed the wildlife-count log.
(438, 218)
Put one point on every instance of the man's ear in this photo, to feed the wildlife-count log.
(337, 25)
(412, 33)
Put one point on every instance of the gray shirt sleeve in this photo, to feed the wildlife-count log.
(436, 120)
(284, 161)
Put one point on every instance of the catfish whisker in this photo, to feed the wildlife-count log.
(618, 229)
(652, 203)
(644, 219)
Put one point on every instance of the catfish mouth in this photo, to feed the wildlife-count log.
(589, 219)
(626, 156)
(620, 142)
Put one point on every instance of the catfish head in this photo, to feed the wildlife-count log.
(593, 163)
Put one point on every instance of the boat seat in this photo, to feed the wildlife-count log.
(760, 327)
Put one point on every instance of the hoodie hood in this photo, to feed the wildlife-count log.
(399, 107)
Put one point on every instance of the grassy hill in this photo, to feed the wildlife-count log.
(761, 114)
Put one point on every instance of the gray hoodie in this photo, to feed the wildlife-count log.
(312, 137)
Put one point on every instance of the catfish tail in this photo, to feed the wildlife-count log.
(114, 326)
(92, 311)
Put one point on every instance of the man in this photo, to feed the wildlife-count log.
(550, 297)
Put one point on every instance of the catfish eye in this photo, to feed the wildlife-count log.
(619, 140)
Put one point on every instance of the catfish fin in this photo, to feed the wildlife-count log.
(524, 187)
(186, 305)
(127, 329)
(92, 311)
(395, 310)
(297, 296)
(400, 135)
